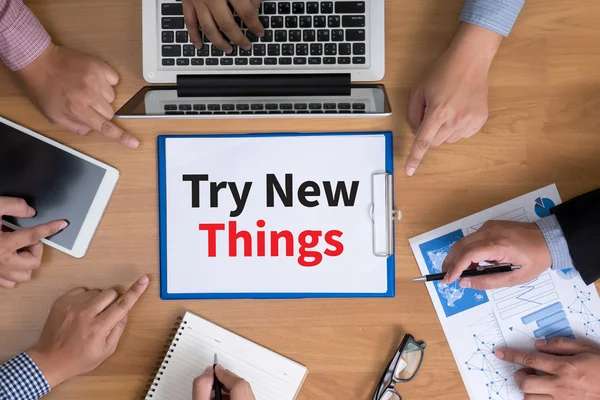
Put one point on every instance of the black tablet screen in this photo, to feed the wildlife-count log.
(59, 185)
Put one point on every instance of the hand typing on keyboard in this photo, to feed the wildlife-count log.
(74, 91)
(450, 102)
(216, 20)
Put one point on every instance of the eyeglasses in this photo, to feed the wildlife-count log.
(402, 368)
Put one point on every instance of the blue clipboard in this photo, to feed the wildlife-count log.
(162, 201)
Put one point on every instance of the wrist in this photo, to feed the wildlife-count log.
(37, 67)
(48, 367)
(475, 45)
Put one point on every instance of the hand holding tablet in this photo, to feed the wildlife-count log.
(21, 251)
(60, 183)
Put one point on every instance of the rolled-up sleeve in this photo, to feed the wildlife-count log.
(496, 15)
(22, 36)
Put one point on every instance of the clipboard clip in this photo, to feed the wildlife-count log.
(383, 213)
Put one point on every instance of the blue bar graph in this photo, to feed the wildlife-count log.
(551, 319)
(564, 332)
(557, 326)
(542, 313)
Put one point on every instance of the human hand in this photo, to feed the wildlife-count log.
(74, 91)
(214, 17)
(571, 368)
(450, 101)
(82, 330)
(236, 387)
(21, 251)
(511, 242)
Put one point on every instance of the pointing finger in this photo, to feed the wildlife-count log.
(425, 134)
(538, 361)
(15, 207)
(119, 308)
(31, 236)
(106, 128)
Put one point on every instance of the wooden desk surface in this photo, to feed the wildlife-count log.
(543, 128)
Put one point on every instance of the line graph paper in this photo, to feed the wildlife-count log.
(496, 374)
(517, 300)
(579, 306)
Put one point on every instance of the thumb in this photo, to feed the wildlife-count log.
(256, 3)
(564, 347)
(203, 385)
(492, 281)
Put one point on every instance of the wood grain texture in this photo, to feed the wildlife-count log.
(543, 128)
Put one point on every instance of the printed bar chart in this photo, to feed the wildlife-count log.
(551, 321)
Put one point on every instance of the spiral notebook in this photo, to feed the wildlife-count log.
(193, 345)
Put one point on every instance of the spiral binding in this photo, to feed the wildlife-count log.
(161, 365)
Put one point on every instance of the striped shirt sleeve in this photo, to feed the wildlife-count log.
(21, 379)
(496, 15)
(22, 36)
(556, 241)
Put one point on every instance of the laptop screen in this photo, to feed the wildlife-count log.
(164, 101)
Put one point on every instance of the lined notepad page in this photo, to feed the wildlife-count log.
(272, 376)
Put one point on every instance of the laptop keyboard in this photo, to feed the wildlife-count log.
(298, 34)
(266, 108)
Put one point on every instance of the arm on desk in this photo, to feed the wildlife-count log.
(21, 379)
(73, 90)
(450, 102)
(83, 329)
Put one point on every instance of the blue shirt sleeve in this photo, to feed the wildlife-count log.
(21, 379)
(555, 239)
(496, 15)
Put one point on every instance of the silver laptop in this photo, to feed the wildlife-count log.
(302, 39)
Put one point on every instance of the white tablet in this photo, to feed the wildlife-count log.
(59, 182)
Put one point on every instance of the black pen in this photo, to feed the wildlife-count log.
(479, 271)
(216, 384)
